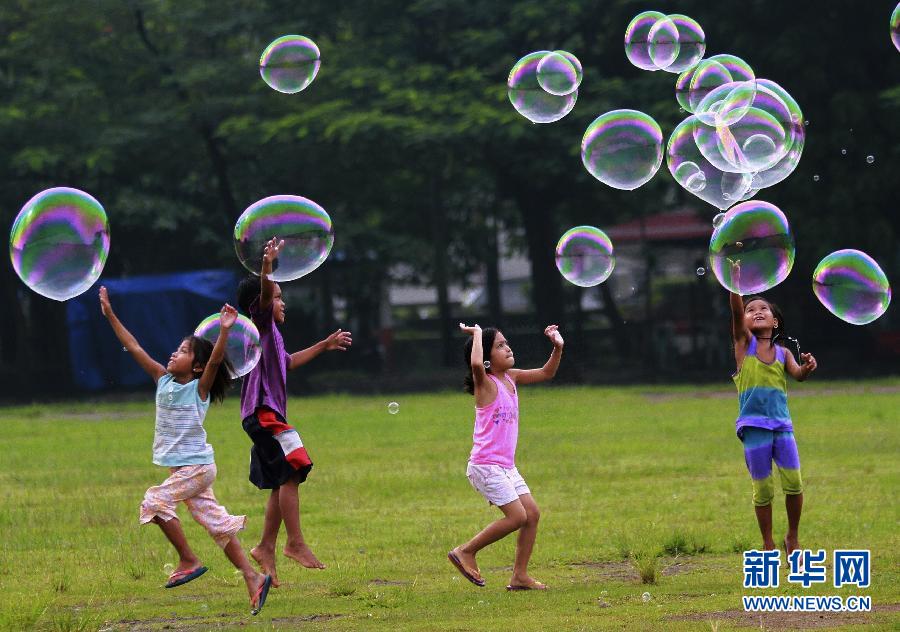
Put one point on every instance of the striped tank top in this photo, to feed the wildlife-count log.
(762, 391)
(497, 428)
(180, 438)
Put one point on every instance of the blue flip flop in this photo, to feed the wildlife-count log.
(261, 595)
(182, 577)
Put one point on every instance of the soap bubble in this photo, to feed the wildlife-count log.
(726, 104)
(622, 148)
(242, 348)
(870, 159)
(637, 37)
(691, 43)
(843, 152)
(752, 250)
(393, 408)
(895, 27)
(683, 89)
(290, 63)
(529, 98)
(701, 271)
(852, 286)
(816, 178)
(304, 226)
(559, 73)
(59, 242)
(719, 188)
(584, 256)
(645, 597)
(796, 138)
(487, 364)
(662, 43)
(718, 219)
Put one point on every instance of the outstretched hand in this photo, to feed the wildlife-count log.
(271, 249)
(471, 330)
(227, 316)
(105, 307)
(808, 363)
(552, 332)
(339, 341)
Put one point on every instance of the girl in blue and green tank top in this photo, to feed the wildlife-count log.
(764, 424)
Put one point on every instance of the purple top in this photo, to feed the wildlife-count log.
(266, 384)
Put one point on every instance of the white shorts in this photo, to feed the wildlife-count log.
(499, 485)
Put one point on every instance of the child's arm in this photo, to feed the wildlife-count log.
(740, 335)
(153, 368)
(338, 341)
(226, 319)
(548, 371)
(267, 285)
(797, 371)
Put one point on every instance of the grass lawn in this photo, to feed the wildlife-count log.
(628, 479)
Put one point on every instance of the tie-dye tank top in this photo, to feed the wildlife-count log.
(497, 428)
(762, 391)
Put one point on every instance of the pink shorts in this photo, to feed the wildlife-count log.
(192, 485)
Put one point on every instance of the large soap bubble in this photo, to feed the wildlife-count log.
(852, 286)
(697, 175)
(752, 250)
(895, 26)
(304, 226)
(637, 37)
(691, 43)
(530, 99)
(59, 242)
(584, 256)
(559, 72)
(796, 138)
(673, 43)
(242, 348)
(622, 148)
(290, 63)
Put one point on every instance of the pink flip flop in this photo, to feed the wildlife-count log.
(455, 561)
(182, 577)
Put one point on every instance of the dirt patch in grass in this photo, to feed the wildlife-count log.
(205, 623)
(787, 620)
(387, 582)
(626, 571)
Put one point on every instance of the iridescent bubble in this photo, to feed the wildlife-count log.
(637, 37)
(691, 42)
(852, 286)
(752, 250)
(59, 242)
(393, 408)
(727, 104)
(718, 219)
(705, 77)
(737, 68)
(816, 178)
(683, 89)
(559, 72)
(584, 256)
(719, 188)
(701, 271)
(870, 159)
(290, 63)
(895, 27)
(662, 43)
(304, 226)
(242, 348)
(529, 98)
(843, 152)
(622, 149)
(796, 138)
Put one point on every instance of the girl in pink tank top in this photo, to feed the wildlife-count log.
(492, 469)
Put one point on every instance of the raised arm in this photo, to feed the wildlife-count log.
(477, 360)
(338, 341)
(267, 285)
(153, 368)
(740, 335)
(797, 371)
(226, 319)
(548, 371)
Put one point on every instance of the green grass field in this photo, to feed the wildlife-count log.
(628, 479)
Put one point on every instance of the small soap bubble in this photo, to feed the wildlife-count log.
(584, 256)
(870, 159)
(527, 95)
(304, 226)
(701, 271)
(393, 408)
(718, 219)
(806, 122)
(816, 178)
(843, 152)
(242, 348)
(487, 364)
(124, 348)
(645, 597)
(290, 63)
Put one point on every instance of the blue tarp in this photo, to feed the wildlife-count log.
(159, 310)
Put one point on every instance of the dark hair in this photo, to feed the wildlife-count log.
(487, 343)
(248, 289)
(202, 350)
(779, 336)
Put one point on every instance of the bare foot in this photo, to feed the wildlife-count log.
(791, 544)
(187, 565)
(468, 562)
(304, 555)
(266, 561)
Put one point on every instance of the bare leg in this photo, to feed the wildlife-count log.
(264, 552)
(514, 517)
(254, 580)
(764, 518)
(525, 544)
(296, 547)
(793, 503)
(173, 531)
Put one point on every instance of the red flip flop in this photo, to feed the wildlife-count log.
(182, 577)
(455, 561)
(261, 595)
